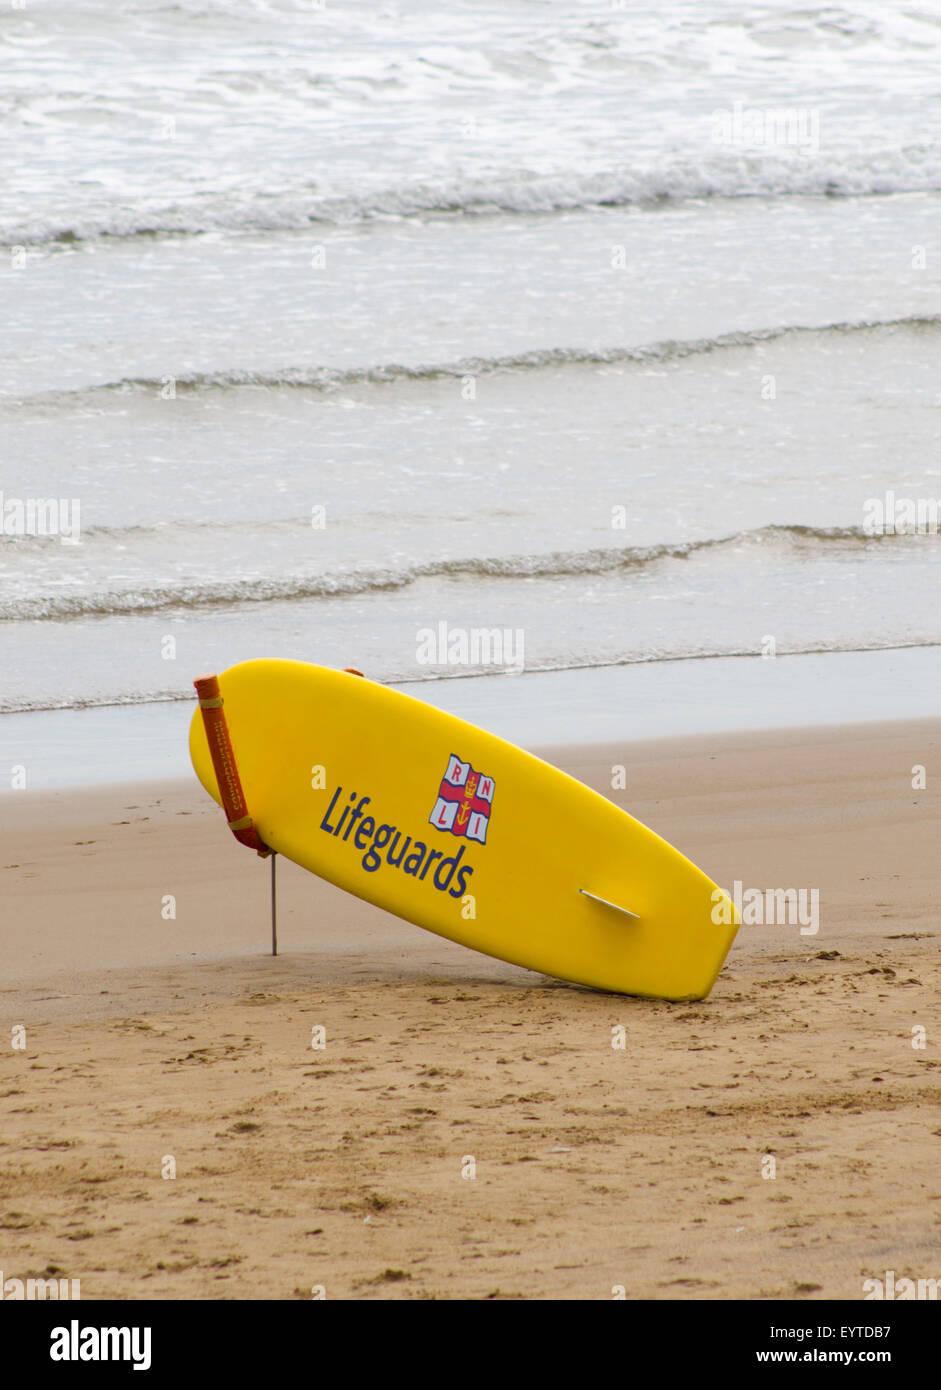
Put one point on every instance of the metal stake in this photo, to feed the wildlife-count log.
(274, 908)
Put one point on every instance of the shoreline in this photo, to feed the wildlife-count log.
(110, 744)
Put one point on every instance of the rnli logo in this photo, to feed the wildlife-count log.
(465, 798)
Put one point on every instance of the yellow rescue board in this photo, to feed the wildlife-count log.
(464, 834)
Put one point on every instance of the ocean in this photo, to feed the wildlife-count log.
(502, 338)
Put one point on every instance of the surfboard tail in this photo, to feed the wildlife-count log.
(225, 766)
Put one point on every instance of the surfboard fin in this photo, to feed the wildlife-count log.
(607, 903)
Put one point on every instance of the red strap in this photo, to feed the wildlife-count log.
(224, 765)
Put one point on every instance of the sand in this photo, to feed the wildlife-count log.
(467, 1129)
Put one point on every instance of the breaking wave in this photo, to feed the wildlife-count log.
(539, 359)
(874, 174)
(552, 565)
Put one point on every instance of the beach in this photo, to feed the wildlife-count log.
(573, 369)
(379, 1113)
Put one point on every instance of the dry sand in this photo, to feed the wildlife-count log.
(349, 1167)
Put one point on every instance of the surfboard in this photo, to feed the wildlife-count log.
(462, 833)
